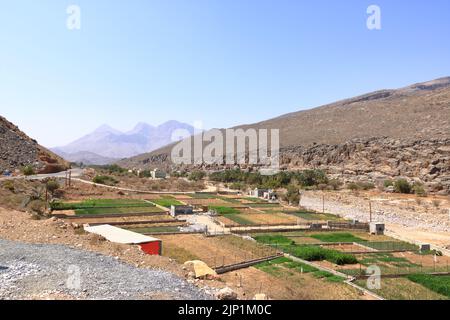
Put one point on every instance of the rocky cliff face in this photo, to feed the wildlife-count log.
(379, 135)
(18, 150)
(378, 159)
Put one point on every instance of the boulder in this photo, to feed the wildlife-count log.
(226, 294)
(260, 297)
(200, 269)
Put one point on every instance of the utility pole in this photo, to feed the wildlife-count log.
(370, 211)
(46, 198)
(70, 178)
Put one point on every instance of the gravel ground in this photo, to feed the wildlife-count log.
(40, 271)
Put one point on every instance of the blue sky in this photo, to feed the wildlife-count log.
(223, 62)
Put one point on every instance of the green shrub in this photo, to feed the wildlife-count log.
(196, 175)
(292, 195)
(9, 185)
(37, 206)
(360, 186)
(402, 186)
(309, 178)
(388, 183)
(315, 253)
(352, 186)
(419, 190)
(107, 180)
(52, 186)
(110, 168)
(145, 174)
(28, 170)
(335, 184)
(237, 186)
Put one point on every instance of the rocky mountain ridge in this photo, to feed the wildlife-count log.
(18, 150)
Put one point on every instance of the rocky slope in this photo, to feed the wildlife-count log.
(388, 133)
(378, 159)
(18, 150)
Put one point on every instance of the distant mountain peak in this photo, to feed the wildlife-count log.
(105, 128)
(110, 143)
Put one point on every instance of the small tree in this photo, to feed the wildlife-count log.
(28, 170)
(197, 175)
(419, 190)
(52, 186)
(388, 183)
(292, 195)
(402, 186)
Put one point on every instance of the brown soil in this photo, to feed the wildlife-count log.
(275, 218)
(288, 287)
(216, 251)
(425, 260)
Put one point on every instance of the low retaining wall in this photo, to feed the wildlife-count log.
(245, 264)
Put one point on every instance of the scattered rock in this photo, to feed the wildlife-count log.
(226, 294)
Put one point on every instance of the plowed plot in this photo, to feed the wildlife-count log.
(241, 219)
(227, 221)
(182, 197)
(270, 219)
(428, 260)
(249, 211)
(215, 251)
(348, 248)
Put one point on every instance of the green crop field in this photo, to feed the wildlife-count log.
(438, 284)
(224, 210)
(306, 252)
(336, 237)
(278, 267)
(167, 202)
(99, 203)
(118, 210)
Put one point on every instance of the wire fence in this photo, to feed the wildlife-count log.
(399, 270)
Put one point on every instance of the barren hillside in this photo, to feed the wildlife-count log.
(388, 133)
(18, 150)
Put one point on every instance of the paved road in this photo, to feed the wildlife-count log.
(75, 173)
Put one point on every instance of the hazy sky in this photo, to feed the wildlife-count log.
(224, 62)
